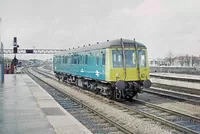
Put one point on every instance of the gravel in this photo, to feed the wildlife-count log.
(132, 122)
(171, 104)
(183, 107)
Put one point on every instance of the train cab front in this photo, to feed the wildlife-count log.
(131, 74)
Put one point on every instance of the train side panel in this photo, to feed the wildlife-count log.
(92, 64)
(93, 67)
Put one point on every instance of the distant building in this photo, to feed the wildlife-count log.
(178, 61)
(157, 62)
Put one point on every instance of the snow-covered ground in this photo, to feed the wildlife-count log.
(187, 76)
(176, 83)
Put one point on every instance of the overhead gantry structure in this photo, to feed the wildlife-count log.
(33, 51)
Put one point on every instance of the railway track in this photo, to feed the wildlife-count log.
(190, 98)
(177, 88)
(179, 121)
(181, 93)
(95, 121)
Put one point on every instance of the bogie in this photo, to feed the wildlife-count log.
(108, 90)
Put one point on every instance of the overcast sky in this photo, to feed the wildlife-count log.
(161, 25)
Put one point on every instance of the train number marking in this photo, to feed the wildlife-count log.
(97, 73)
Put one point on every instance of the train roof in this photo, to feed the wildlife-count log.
(108, 44)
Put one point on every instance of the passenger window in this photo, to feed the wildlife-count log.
(75, 59)
(69, 60)
(133, 58)
(114, 57)
(86, 59)
(80, 59)
(97, 60)
(65, 59)
(119, 58)
(83, 59)
(103, 59)
(72, 60)
(142, 58)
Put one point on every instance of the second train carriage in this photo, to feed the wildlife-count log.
(117, 69)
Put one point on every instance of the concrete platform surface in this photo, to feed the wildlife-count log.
(26, 108)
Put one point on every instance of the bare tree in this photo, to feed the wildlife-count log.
(195, 60)
(187, 60)
(170, 58)
(181, 60)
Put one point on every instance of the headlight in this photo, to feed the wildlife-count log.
(117, 75)
(143, 75)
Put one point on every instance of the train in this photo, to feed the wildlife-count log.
(19, 64)
(117, 69)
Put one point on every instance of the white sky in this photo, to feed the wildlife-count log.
(161, 25)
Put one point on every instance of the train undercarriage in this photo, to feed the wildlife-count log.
(119, 90)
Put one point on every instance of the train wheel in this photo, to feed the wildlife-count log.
(96, 90)
(110, 95)
(58, 77)
(117, 95)
(63, 78)
(130, 98)
(79, 83)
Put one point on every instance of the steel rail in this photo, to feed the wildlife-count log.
(194, 99)
(176, 78)
(177, 88)
(159, 119)
(120, 127)
(167, 93)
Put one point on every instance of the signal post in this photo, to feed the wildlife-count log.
(15, 60)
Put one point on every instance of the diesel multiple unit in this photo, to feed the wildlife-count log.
(117, 69)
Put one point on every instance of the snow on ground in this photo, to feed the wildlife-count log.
(176, 83)
(177, 75)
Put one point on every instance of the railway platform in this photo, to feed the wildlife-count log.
(26, 108)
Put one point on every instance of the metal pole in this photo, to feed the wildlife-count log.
(1, 57)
